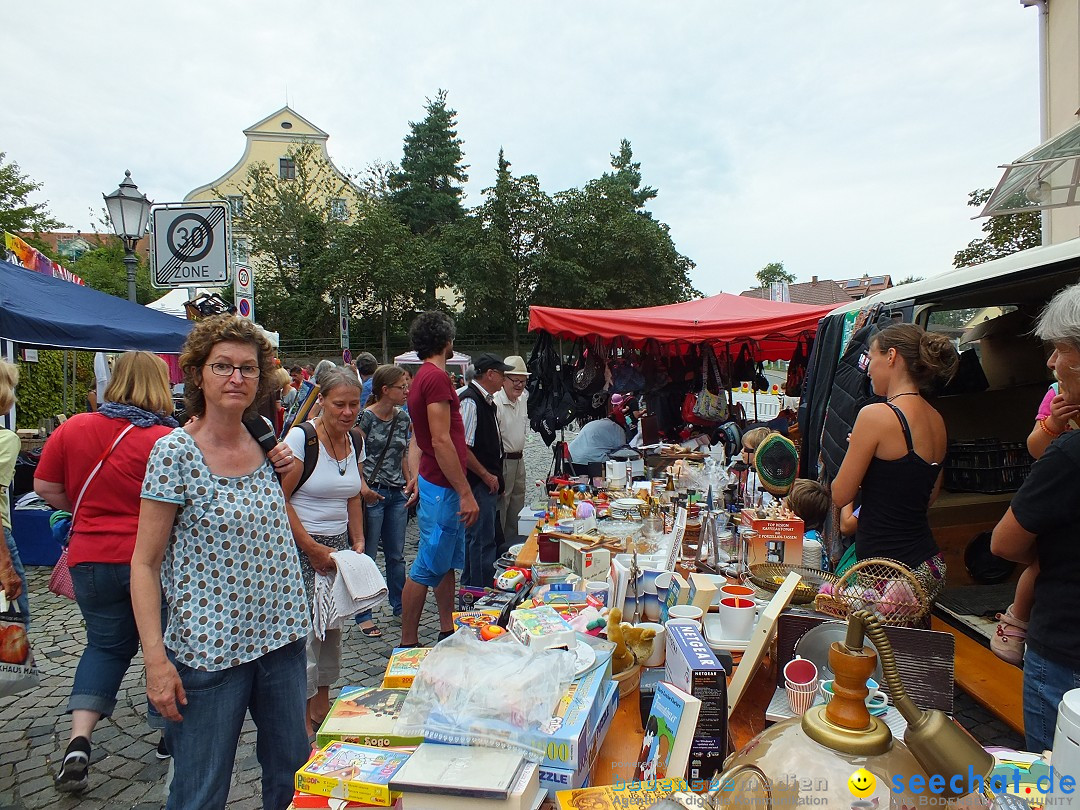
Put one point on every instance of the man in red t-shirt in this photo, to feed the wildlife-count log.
(437, 452)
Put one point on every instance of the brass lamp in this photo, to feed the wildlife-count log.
(815, 759)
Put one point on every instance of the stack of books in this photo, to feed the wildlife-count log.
(366, 715)
(463, 777)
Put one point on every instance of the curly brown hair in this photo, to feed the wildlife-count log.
(200, 342)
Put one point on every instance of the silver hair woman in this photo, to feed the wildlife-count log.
(1040, 527)
(326, 513)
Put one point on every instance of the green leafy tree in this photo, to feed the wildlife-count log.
(380, 265)
(1005, 234)
(606, 250)
(428, 188)
(908, 280)
(774, 272)
(41, 386)
(17, 213)
(288, 223)
(103, 269)
(500, 250)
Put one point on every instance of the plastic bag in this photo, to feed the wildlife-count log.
(18, 672)
(490, 693)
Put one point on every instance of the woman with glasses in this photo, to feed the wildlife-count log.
(214, 535)
(386, 428)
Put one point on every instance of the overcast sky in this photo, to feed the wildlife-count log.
(836, 137)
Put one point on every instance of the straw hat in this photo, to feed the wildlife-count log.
(517, 365)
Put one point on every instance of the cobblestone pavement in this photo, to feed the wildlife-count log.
(124, 771)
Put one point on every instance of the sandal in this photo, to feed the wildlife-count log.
(371, 632)
(1009, 638)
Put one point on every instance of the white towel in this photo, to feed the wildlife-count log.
(354, 586)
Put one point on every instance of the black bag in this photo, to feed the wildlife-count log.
(796, 373)
(743, 368)
(761, 382)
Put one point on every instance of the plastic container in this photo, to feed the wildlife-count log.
(1066, 757)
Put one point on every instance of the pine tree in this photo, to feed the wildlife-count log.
(427, 191)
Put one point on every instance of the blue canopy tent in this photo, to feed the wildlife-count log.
(39, 311)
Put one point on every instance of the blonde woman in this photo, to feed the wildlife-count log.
(120, 434)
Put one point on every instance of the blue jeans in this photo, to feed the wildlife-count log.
(203, 746)
(103, 591)
(1045, 682)
(23, 601)
(480, 551)
(384, 522)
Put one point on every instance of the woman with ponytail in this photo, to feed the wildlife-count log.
(896, 452)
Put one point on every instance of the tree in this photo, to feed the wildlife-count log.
(774, 272)
(427, 190)
(103, 269)
(17, 213)
(379, 264)
(500, 249)
(908, 280)
(288, 223)
(1005, 234)
(605, 250)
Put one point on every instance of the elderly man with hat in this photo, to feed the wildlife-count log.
(484, 466)
(512, 403)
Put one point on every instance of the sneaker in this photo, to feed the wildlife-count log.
(1009, 638)
(162, 749)
(73, 776)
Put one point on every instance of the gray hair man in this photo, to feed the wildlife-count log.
(512, 404)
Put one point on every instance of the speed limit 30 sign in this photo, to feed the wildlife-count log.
(190, 245)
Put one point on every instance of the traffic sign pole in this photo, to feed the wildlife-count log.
(343, 319)
(244, 292)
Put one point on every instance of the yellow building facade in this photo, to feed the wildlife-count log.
(269, 141)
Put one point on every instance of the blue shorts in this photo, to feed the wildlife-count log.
(442, 534)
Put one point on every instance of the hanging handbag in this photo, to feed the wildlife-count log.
(711, 407)
(743, 368)
(796, 373)
(60, 581)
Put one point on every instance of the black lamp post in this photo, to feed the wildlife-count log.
(129, 211)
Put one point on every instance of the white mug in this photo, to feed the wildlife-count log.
(659, 643)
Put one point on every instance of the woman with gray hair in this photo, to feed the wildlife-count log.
(1040, 526)
(326, 513)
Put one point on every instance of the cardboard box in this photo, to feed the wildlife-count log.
(553, 778)
(590, 565)
(365, 716)
(777, 541)
(703, 591)
(403, 666)
(692, 666)
(566, 735)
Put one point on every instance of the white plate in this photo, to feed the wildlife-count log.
(629, 503)
(516, 549)
(586, 657)
(714, 635)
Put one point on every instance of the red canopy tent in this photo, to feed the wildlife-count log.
(773, 326)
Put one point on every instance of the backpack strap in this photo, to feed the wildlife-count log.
(311, 452)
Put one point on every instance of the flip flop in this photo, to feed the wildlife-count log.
(371, 632)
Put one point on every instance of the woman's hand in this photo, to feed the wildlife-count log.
(358, 544)
(320, 559)
(282, 458)
(369, 495)
(165, 690)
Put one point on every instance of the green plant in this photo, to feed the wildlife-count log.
(41, 386)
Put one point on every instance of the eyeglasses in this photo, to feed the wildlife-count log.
(403, 387)
(517, 382)
(227, 369)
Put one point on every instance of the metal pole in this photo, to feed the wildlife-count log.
(129, 264)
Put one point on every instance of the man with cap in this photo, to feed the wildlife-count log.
(484, 466)
(512, 403)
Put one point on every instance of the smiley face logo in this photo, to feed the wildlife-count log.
(861, 783)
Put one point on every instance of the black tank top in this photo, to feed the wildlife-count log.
(895, 496)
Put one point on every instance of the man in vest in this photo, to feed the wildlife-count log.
(484, 465)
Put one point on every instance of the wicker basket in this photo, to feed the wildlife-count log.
(765, 576)
(887, 588)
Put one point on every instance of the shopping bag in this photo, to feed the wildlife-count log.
(60, 582)
(18, 672)
(710, 407)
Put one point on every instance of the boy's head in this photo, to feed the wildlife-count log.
(809, 500)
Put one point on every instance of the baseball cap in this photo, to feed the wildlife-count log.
(487, 360)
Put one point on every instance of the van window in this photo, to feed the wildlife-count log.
(954, 322)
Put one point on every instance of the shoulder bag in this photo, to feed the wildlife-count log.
(60, 581)
(709, 406)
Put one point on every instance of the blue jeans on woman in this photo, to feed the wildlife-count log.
(103, 591)
(203, 746)
(384, 522)
(1045, 682)
(23, 602)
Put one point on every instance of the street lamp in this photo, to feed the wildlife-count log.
(129, 211)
